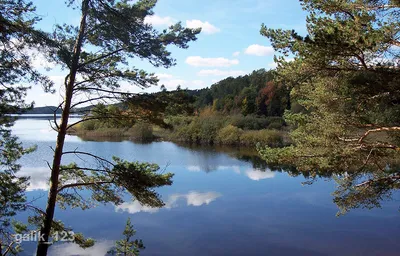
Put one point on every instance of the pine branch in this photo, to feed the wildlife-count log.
(101, 57)
(83, 184)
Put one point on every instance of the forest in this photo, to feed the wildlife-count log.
(235, 111)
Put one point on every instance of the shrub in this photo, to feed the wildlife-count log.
(271, 138)
(201, 129)
(209, 128)
(257, 123)
(177, 121)
(229, 135)
(276, 124)
(142, 132)
(88, 125)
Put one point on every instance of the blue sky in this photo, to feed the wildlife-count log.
(230, 43)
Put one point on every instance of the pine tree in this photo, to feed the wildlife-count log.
(345, 76)
(17, 35)
(97, 56)
(127, 246)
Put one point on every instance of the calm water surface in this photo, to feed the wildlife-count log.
(222, 202)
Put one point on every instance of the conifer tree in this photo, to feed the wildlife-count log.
(17, 38)
(97, 56)
(345, 76)
(127, 246)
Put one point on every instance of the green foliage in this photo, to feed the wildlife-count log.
(58, 227)
(90, 125)
(17, 21)
(257, 123)
(201, 129)
(215, 129)
(344, 81)
(97, 57)
(177, 121)
(229, 135)
(142, 132)
(109, 182)
(126, 246)
(271, 138)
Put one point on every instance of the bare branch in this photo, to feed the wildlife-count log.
(102, 90)
(86, 169)
(36, 209)
(55, 115)
(88, 154)
(9, 248)
(347, 139)
(52, 127)
(92, 99)
(91, 118)
(381, 129)
(375, 8)
(368, 182)
(101, 57)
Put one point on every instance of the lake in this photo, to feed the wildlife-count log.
(223, 201)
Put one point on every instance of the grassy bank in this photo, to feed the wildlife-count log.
(246, 131)
(142, 132)
(203, 129)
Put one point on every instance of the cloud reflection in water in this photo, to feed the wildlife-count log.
(252, 173)
(193, 198)
(67, 249)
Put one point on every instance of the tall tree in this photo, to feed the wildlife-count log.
(346, 78)
(97, 55)
(17, 38)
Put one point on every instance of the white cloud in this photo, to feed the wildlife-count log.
(40, 61)
(156, 20)
(193, 168)
(217, 72)
(251, 173)
(198, 84)
(198, 199)
(164, 76)
(272, 65)
(198, 61)
(58, 80)
(255, 174)
(171, 82)
(259, 50)
(206, 27)
(193, 198)
(235, 54)
(39, 177)
(67, 249)
(135, 207)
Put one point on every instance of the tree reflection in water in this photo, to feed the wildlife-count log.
(366, 187)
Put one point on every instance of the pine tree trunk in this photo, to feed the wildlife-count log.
(55, 170)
